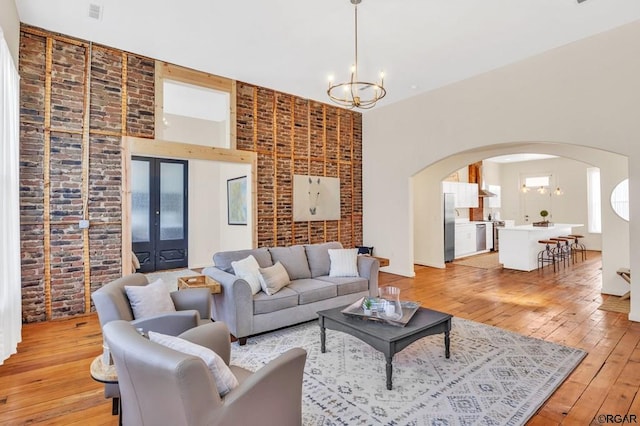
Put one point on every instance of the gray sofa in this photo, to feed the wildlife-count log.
(311, 288)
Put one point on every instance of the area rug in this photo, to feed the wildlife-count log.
(170, 277)
(616, 304)
(483, 261)
(494, 377)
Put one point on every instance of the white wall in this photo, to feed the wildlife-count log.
(571, 207)
(204, 212)
(10, 26)
(195, 131)
(209, 231)
(234, 237)
(555, 101)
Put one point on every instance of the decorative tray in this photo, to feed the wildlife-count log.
(409, 308)
(543, 224)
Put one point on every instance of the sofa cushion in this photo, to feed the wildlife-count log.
(223, 259)
(347, 285)
(344, 263)
(294, 260)
(273, 278)
(285, 298)
(311, 290)
(318, 257)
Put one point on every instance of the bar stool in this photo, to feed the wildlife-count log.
(562, 250)
(547, 255)
(578, 247)
(570, 242)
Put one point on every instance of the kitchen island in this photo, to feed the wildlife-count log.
(519, 245)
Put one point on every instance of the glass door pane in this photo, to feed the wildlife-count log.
(140, 201)
(171, 201)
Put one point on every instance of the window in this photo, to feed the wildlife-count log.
(620, 199)
(594, 217)
(195, 114)
(536, 181)
(195, 108)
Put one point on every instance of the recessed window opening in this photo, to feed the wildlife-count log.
(537, 181)
(620, 199)
(594, 215)
(195, 114)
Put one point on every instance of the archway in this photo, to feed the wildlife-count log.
(428, 235)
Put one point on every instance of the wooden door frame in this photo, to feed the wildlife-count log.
(132, 145)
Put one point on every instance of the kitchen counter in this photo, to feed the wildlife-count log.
(519, 245)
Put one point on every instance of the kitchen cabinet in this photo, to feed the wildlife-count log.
(466, 194)
(465, 239)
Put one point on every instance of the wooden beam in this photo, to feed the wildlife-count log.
(86, 259)
(125, 189)
(292, 150)
(198, 78)
(274, 132)
(46, 164)
(233, 114)
(167, 149)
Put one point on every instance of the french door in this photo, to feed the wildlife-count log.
(159, 212)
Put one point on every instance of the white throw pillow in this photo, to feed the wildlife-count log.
(344, 263)
(273, 278)
(149, 300)
(224, 378)
(249, 270)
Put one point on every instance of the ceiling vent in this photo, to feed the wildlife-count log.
(95, 11)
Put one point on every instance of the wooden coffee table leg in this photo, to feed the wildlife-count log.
(447, 342)
(389, 371)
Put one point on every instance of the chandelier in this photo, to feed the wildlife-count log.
(356, 93)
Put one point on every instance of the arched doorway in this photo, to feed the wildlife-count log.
(428, 235)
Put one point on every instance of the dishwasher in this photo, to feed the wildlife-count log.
(481, 236)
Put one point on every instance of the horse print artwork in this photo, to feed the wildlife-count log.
(314, 194)
(315, 198)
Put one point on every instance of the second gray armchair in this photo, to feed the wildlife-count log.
(159, 385)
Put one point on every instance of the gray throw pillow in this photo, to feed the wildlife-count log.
(294, 260)
(318, 257)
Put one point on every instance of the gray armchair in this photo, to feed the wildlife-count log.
(159, 385)
(193, 308)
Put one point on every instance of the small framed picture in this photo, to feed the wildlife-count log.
(237, 201)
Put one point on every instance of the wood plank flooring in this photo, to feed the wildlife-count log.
(48, 382)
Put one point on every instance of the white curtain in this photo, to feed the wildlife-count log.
(10, 286)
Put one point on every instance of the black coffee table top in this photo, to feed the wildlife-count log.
(423, 319)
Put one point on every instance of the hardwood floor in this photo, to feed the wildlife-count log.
(48, 381)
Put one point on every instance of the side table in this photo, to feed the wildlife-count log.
(200, 281)
(383, 261)
(107, 374)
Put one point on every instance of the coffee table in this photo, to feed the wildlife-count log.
(386, 338)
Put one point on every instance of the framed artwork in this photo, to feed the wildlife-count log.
(237, 201)
(315, 198)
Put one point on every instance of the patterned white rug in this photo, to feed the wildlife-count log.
(494, 377)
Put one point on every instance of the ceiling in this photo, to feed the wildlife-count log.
(294, 45)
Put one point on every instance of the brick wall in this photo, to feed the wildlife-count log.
(54, 275)
(290, 135)
(298, 136)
